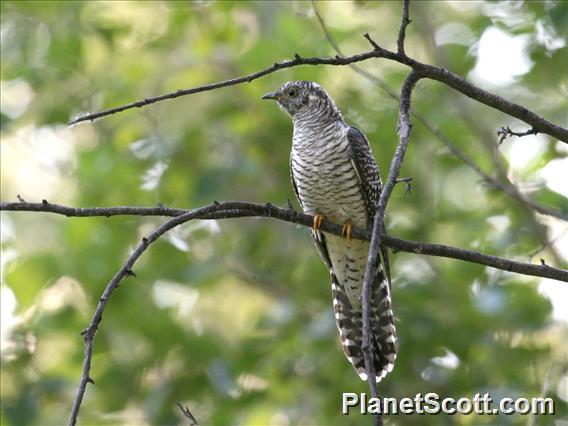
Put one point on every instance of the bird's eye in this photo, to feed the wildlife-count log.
(292, 93)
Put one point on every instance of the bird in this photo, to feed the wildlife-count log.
(335, 176)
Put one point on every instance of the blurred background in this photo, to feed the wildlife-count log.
(233, 318)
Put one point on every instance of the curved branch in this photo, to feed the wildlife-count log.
(125, 271)
(241, 209)
(538, 123)
(276, 66)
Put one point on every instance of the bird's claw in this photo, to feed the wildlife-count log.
(346, 231)
(318, 219)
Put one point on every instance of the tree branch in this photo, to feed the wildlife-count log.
(125, 271)
(241, 209)
(404, 23)
(186, 413)
(505, 132)
(427, 71)
(506, 187)
(276, 66)
(235, 209)
(378, 225)
(47, 207)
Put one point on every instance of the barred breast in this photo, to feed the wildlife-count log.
(327, 183)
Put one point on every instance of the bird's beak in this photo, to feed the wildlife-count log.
(271, 95)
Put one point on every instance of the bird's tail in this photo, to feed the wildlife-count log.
(349, 323)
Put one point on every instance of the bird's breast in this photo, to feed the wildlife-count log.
(326, 179)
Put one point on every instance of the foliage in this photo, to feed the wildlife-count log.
(234, 318)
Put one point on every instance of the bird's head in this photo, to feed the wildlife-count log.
(300, 97)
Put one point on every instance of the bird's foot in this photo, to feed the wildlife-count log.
(318, 219)
(346, 230)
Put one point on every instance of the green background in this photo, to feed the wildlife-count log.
(233, 318)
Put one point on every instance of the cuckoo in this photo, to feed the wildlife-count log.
(335, 175)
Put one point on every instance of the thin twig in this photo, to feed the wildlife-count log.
(547, 244)
(48, 207)
(505, 132)
(407, 184)
(186, 413)
(543, 392)
(239, 209)
(404, 23)
(506, 187)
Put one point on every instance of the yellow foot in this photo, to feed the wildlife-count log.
(346, 230)
(318, 218)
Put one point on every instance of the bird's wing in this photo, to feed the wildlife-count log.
(367, 170)
(384, 332)
(318, 237)
(369, 180)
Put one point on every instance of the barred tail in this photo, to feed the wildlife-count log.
(349, 323)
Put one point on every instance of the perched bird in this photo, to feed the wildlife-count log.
(334, 175)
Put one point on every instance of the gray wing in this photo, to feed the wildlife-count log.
(367, 170)
(369, 179)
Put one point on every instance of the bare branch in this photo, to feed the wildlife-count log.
(497, 102)
(427, 71)
(404, 23)
(125, 271)
(506, 187)
(276, 66)
(234, 209)
(45, 206)
(372, 42)
(378, 225)
(477, 257)
(238, 209)
(505, 132)
(407, 184)
(186, 413)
